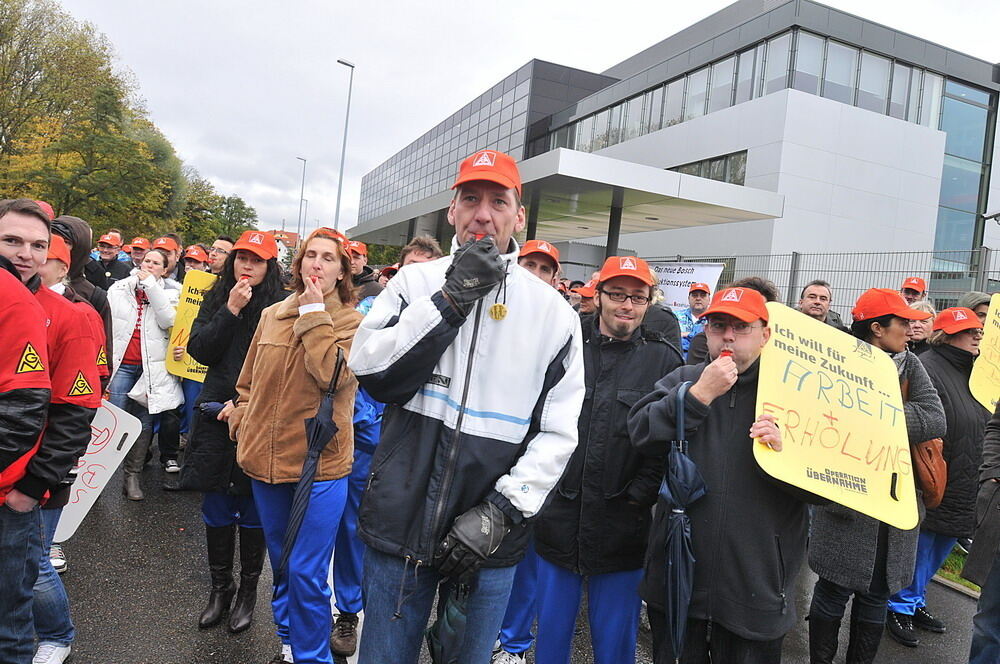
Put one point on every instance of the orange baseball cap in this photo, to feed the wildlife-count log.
(390, 270)
(914, 283)
(47, 209)
(539, 247)
(195, 252)
(127, 248)
(745, 304)
(141, 243)
(340, 237)
(355, 247)
(589, 289)
(165, 243)
(491, 166)
(876, 302)
(956, 319)
(58, 249)
(626, 266)
(258, 242)
(114, 239)
(699, 286)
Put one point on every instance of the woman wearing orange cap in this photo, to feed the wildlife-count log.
(289, 366)
(853, 554)
(954, 347)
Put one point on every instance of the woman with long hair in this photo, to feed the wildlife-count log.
(249, 282)
(289, 366)
(954, 348)
(853, 554)
(143, 306)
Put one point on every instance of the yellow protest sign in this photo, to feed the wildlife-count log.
(839, 408)
(196, 283)
(984, 383)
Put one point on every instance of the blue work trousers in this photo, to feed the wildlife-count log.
(613, 607)
(515, 634)
(932, 550)
(349, 555)
(222, 509)
(301, 599)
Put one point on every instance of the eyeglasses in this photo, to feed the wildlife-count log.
(218, 250)
(618, 296)
(740, 328)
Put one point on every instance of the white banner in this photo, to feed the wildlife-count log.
(676, 279)
(112, 434)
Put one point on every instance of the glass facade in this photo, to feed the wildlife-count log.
(731, 168)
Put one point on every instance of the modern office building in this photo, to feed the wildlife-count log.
(770, 128)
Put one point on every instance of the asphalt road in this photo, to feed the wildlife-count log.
(138, 579)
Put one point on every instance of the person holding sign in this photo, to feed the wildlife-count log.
(143, 306)
(854, 554)
(289, 366)
(250, 281)
(740, 607)
(954, 347)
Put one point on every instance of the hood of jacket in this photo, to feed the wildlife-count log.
(78, 232)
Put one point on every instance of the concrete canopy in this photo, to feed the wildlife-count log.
(574, 192)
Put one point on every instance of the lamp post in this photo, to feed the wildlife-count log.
(302, 192)
(343, 150)
(305, 215)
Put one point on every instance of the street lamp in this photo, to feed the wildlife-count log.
(343, 150)
(305, 215)
(302, 192)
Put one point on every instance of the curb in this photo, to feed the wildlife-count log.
(956, 586)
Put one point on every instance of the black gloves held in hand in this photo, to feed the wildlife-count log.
(473, 537)
(476, 268)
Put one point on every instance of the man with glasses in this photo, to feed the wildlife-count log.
(597, 522)
(749, 532)
(218, 253)
(913, 289)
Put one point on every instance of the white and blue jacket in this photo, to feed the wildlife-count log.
(477, 409)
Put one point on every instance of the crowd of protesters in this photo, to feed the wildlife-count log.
(498, 434)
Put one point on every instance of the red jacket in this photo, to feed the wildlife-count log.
(24, 378)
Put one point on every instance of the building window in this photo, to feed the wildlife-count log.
(900, 90)
(633, 117)
(841, 72)
(584, 134)
(673, 103)
(615, 126)
(965, 125)
(873, 83)
(697, 94)
(807, 72)
(930, 100)
(776, 67)
(729, 168)
(653, 110)
(600, 131)
(721, 95)
(744, 76)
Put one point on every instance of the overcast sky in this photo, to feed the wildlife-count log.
(244, 87)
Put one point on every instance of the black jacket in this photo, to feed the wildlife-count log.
(366, 283)
(949, 369)
(103, 274)
(220, 341)
(748, 533)
(661, 319)
(697, 349)
(598, 521)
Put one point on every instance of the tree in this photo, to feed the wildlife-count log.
(235, 216)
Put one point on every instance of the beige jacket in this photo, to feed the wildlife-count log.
(287, 370)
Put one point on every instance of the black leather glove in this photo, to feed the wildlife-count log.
(473, 537)
(476, 268)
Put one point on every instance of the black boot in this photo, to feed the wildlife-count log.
(865, 637)
(252, 550)
(133, 463)
(221, 543)
(823, 633)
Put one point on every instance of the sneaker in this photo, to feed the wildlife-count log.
(171, 466)
(50, 653)
(344, 641)
(58, 559)
(504, 657)
(901, 628)
(964, 544)
(923, 619)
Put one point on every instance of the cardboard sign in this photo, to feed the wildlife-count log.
(676, 278)
(839, 408)
(984, 383)
(112, 434)
(196, 283)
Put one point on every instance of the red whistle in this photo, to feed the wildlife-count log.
(244, 277)
(479, 236)
(726, 353)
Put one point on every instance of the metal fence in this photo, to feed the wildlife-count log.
(949, 274)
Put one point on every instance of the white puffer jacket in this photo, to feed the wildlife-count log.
(156, 390)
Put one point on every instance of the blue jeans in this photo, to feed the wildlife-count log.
(221, 509)
(20, 549)
(613, 606)
(515, 634)
(51, 605)
(191, 389)
(986, 623)
(121, 383)
(932, 550)
(349, 553)
(393, 584)
(301, 600)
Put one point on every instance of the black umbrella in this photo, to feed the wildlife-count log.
(682, 485)
(320, 430)
(446, 636)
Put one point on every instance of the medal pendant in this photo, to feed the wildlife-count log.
(498, 311)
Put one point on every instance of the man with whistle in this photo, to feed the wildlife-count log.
(480, 420)
(742, 603)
